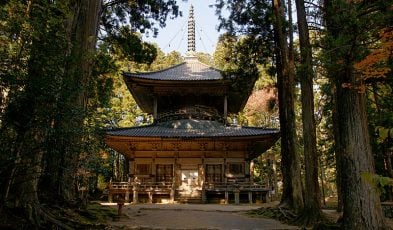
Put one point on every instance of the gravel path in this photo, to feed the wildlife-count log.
(194, 216)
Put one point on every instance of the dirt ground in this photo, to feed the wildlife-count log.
(193, 216)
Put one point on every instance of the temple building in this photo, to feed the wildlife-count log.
(190, 152)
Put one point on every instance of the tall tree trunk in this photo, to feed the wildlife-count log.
(312, 207)
(292, 186)
(337, 150)
(69, 123)
(362, 207)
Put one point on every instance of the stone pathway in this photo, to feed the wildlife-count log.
(194, 216)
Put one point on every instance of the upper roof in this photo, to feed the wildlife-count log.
(186, 84)
(190, 70)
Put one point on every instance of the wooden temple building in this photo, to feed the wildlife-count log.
(190, 153)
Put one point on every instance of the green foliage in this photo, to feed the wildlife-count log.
(383, 133)
(205, 58)
(129, 45)
(142, 16)
(377, 181)
(251, 18)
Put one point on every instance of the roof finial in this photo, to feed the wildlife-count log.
(191, 32)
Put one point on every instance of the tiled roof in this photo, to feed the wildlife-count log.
(189, 128)
(190, 70)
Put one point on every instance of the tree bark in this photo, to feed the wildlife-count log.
(337, 151)
(312, 207)
(292, 186)
(362, 207)
(84, 29)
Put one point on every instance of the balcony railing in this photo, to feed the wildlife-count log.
(241, 186)
(197, 112)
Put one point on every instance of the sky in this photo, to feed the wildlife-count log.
(173, 37)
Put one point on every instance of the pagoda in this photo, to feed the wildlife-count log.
(190, 152)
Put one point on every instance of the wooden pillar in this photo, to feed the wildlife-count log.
(128, 191)
(127, 196)
(225, 109)
(204, 198)
(172, 194)
(150, 193)
(110, 196)
(155, 108)
(135, 194)
(237, 196)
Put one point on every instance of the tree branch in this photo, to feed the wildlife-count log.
(112, 3)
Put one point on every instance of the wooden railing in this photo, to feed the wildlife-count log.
(200, 112)
(120, 185)
(242, 186)
(145, 186)
(167, 186)
(168, 189)
(155, 186)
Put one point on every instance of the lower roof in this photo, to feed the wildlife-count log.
(191, 128)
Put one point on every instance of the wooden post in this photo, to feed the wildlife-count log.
(110, 197)
(127, 196)
(155, 108)
(172, 194)
(237, 196)
(204, 199)
(135, 194)
(225, 109)
(250, 197)
(150, 193)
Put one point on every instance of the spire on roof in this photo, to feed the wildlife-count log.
(191, 31)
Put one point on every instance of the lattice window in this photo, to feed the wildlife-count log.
(143, 169)
(235, 169)
(213, 173)
(164, 173)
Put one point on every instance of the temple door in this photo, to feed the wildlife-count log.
(189, 181)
